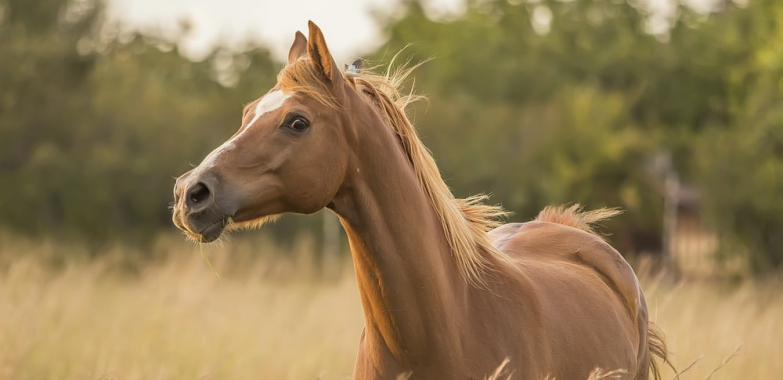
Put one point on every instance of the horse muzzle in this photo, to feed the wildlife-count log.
(199, 209)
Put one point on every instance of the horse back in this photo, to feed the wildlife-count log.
(556, 244)
(589, 295)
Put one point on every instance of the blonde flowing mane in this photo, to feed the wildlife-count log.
(465, 221)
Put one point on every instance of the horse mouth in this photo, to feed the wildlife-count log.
(212, 232)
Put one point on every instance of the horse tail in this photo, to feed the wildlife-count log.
(657, 350)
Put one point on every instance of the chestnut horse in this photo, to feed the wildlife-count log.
(443, 296)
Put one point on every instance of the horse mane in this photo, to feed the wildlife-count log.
(465, 221)
(573, 216)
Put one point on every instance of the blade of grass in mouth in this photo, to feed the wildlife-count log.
(204, 255)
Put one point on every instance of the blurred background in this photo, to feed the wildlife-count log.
(671, 112)
(669, 109)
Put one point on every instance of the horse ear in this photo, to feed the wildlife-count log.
(319, 54)
(298, 48)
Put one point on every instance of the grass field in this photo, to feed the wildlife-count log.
(267, 318)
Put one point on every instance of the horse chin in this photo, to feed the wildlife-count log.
(208, 234)
(213, 231)
(250, 224)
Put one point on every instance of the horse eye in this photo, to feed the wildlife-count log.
(299, 125)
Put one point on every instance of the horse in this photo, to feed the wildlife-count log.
(447, 292)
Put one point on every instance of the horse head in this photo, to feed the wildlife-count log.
(290, 153)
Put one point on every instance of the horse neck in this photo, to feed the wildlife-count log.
(412, 293)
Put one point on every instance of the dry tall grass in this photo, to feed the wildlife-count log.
(268, 319)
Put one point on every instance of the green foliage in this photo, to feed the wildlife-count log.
(536, 102)
(94, 130)
(543, 118)
(741, 166)
(576, 110)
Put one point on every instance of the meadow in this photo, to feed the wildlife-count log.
(274, 315)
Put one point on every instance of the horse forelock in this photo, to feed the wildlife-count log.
(301, 78)
(466, 221)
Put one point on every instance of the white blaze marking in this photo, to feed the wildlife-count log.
(268, 103)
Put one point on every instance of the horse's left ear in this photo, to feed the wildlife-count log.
(298, 48)
(320, 56)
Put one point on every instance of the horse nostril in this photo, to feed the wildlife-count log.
(197, 196)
